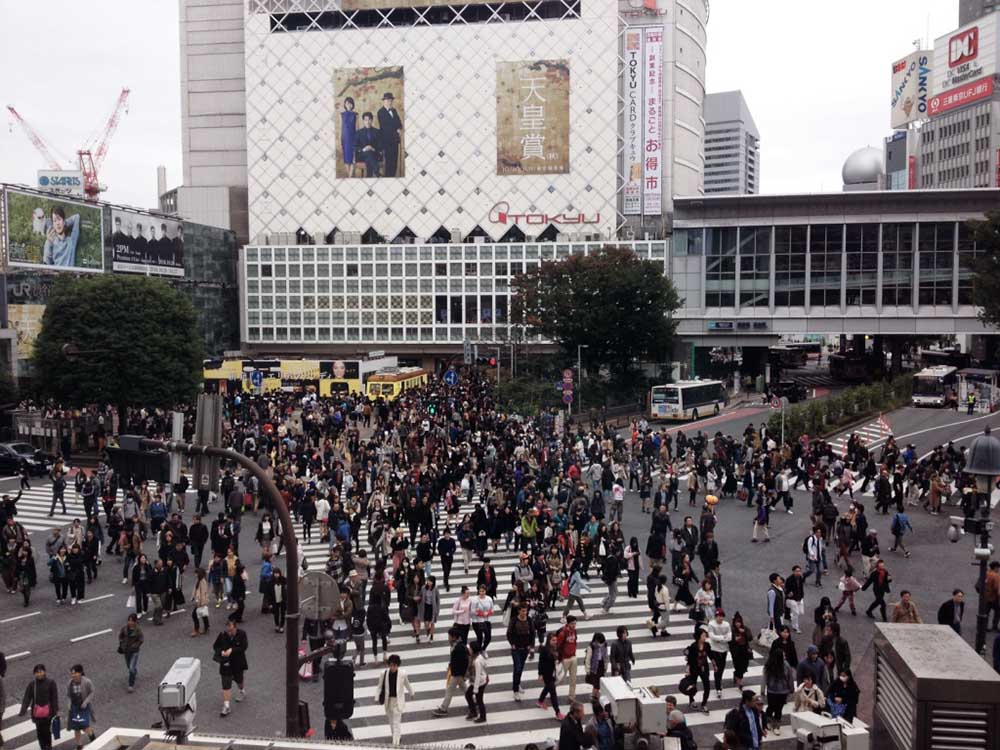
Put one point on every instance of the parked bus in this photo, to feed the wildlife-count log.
(686, 399)
(851, 368)
(935, 386)
(390, 384)
(809, 347)
(787, 356)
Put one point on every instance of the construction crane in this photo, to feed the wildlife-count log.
(90, 156)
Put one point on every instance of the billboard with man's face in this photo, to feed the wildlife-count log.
(54, 233)
(144, 243)
(533, 117)
(370, 118)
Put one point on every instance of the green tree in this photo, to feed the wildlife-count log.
(612, 302)
(985, 266)
(147, 346)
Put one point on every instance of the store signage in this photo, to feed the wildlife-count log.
(643, 8)
(633, 155)
(652, 171)
(910, 89)
(501, 214)
(959, 97)
(963, 47)
(911, 177)
(738, 325)
(967, 54)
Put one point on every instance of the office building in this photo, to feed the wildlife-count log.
(732, 146)
(973, 10)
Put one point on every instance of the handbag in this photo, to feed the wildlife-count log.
(130, 602)
(56, 727)
(40, 712)
(564, 589)
(201, 611)
(766, 637)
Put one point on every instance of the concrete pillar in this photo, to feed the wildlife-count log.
(843, 344)
(896, 347)
(858, 344)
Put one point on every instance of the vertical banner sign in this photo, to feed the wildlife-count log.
(911, 176)
(652, 171)
(533, 117)
(632, 204)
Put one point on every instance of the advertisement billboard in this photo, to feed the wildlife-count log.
(390, 4)
(968, 94)
(652, 170)
(966, 54)
(633, 85)
(53, 233)
(911, 87)
(61, 181)
(532, 117)
(371, 113)
(27, 295)
(143, 243)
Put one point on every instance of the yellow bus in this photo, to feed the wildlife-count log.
(390, 384)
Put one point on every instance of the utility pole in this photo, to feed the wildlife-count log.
(579, 374)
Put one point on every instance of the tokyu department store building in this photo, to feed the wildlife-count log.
(407, 158)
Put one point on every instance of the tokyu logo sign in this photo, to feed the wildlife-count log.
(501, 214)
(963, 47)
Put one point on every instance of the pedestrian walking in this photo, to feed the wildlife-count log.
(458, 667)
(878, 580)
(478, 680)
(230, 651)
(130, 639)
(566, 648)
(610, 570)
(848, 587)
(699, 663)
(779, 683)
(199, 603)
(622, 657)
(548, 661)
(951, 612)
(41, 698)
(899, 526)
(391, 692)
(720, 635)
(595, 661)
(80, 694)
(481, 611)
(633, 564)
(740, 647)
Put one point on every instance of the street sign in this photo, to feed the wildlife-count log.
(451, 378)
(560, 386)
(775, 402)
(567, 375)
(257, 378)
(467, 352)
(320, 595)
(567, 397)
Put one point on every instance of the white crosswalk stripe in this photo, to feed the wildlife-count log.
(659, 662)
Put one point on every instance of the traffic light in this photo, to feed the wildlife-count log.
(432, 408)
(131, 461)
(493, 361)
(486, 361)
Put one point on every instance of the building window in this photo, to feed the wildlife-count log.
(755, 266)
(790, 266)
(720, 268)
(825, 253)
(862, 264)
(937, 255)
(897, 264)
(968, 249)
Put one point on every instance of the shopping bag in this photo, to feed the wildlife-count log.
(766, 637)
(56, 727)
(130, 602)
(564, 589)
(306, 670)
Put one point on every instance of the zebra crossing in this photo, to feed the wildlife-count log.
(872, 432)
(660, 662)
(33, 508)
(19, 731)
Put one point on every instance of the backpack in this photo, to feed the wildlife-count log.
(805, 546)
(896, 527)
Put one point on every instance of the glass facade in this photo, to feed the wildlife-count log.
(394, 294)
(841, 266)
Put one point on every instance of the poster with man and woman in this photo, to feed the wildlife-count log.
(370, 122)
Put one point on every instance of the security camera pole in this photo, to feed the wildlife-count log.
(292, 728)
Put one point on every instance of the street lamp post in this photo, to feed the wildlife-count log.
(292, 728)
(984, 465)
(579, 373)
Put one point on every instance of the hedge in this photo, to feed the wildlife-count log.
(829, 415)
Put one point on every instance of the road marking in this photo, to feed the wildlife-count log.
(937, 427)
(89, 635)
(95, 599)
(20, 617)
(18, 655)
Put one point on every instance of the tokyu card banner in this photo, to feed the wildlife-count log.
(143, 243)
(533, 117)
(652, 170)
(633, 96)
(57, 234)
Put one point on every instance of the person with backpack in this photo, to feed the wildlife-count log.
(813, 549)
(899, 526)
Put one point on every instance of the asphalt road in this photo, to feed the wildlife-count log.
(87, 633)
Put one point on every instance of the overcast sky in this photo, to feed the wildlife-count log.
(815, 74)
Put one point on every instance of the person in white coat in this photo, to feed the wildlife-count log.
(392, 691)
(720, 633)
(478, 680)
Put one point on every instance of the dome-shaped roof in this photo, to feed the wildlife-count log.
(864, 165)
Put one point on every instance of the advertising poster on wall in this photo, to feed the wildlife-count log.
(911, 88)
(633, 90)
(652, 171)
(533, 117)
(371, 112)
(27, 295)
(143, 243)
(53, 233)
(967, 54)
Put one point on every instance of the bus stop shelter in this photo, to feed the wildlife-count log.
(984, 383)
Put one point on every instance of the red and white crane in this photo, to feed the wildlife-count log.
(90, 156)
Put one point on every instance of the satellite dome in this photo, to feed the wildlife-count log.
(863, 166)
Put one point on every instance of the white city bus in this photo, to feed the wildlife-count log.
(935, 386)
(686, 399)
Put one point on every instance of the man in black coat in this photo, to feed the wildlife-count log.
(950, 613)
(744, 721)
(367, 146)
(571, 734)
(390, 128)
